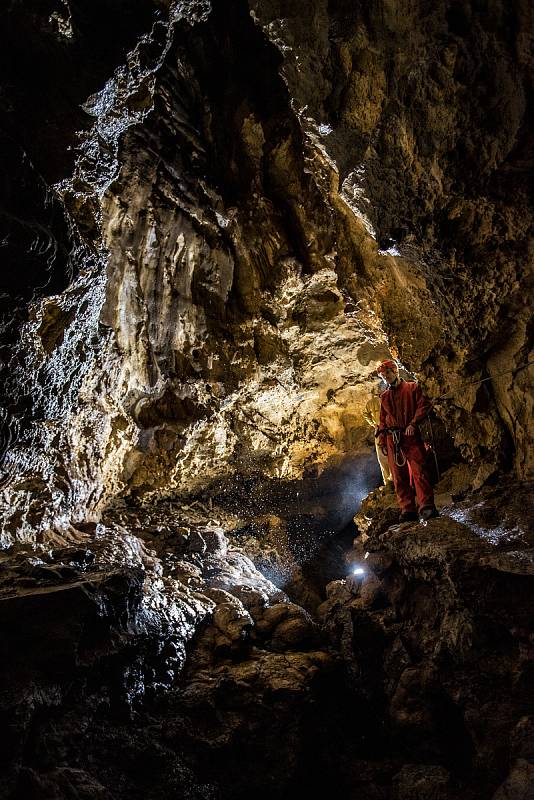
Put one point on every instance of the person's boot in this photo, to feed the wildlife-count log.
(429, 512)
(409, 516)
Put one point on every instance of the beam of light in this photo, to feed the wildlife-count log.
(353, 481)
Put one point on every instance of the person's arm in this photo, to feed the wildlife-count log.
(422, 406)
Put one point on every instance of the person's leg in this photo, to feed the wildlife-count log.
(401, 479)
(383, 463)
(416, 455)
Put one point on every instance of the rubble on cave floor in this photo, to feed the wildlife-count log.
(436, 622)
(163, 617)
(409, 681)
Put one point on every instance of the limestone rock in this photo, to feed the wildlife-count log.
(216, 219)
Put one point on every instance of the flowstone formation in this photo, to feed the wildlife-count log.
(217, 218)
(221, 339)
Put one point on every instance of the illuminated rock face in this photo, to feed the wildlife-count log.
(426, 114)
(213, 333)
(256, 210)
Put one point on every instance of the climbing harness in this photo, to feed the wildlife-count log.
(398, 452)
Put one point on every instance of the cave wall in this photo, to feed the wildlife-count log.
(426, 111)
(234, 317)
(260, 201)
(217, 218)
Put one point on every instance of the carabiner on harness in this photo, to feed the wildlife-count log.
(397, 449)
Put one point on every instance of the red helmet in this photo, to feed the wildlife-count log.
(387, 364)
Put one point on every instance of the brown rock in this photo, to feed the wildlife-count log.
(519, 785)
(422, 782)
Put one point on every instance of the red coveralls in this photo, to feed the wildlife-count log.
(402, 405)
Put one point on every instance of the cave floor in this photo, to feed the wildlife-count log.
(149, 654)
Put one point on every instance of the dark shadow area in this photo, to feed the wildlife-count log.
(53, 55)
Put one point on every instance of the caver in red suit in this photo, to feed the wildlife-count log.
(403, 406)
